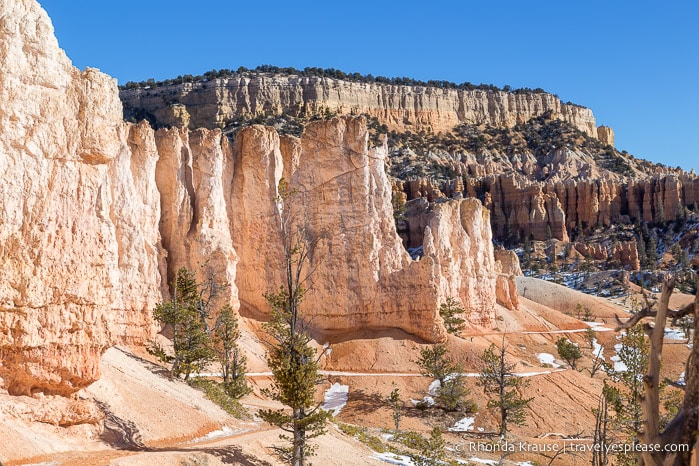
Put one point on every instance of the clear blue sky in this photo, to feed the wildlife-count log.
(635, 63)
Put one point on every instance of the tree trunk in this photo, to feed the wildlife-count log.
(298, 458)
(683, 428)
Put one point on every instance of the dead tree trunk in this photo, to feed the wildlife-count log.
(681, 433)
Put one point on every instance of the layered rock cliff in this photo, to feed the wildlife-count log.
(97, 215)
(219, 102)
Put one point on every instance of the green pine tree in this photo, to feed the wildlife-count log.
(186, 315)
(433, 451)
(232, 360)
(569, 351)
(450, 312)
(397, 406)
(435, 362)
(497, 377)
(293, 361)
(633, 354)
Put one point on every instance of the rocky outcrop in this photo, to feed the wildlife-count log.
(79, 243)
(459, 240)
(218, 102)
(194, 175)
(507, 262)
(359, 264)
(523, 207)
(625, 253)
(606, 135)
(507, 268)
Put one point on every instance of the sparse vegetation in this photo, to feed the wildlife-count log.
(217, 393)
(185, 313)
(450, 312)
(433, 451)
(396, 405)
(331, 73)
(497, 377)
(436, 363)
(568, 351)
(231, 359)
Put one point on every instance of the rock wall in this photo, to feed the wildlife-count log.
(79, 242)
(459, 240)
(194, 175)
(606, 135)
(415, 108)
(363, 278)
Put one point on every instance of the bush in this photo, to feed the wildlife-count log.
(215, 392)
(569, 351)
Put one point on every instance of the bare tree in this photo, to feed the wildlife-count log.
(681, 432)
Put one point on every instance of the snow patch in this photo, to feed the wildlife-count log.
(428, 400)
(675, 334)
(681, 380)
(547, 358)
(336, 398)
(225, 431)
(434, 387)
(598, 327)
(534, 374)
(392, 458)
(482, 461)
(619, 366)
(463, 425)
(597, 349)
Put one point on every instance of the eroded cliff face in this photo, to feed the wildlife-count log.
(459, 240)
(555, 208)
(221, 101)
(79, 242)
(97, 215)
(363, 278)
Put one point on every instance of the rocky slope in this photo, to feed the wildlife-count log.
(222, 101)
(96, 215)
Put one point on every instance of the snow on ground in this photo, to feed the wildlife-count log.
(533, 374)
(597, 349)
(482, 461)
(463, 425)
(618, 365)
(675, 334)
(336, 398)
(225, 431)
(599, 327)
(434, 388)
(681, 380)
(547, 358)
(428, 400)
(392, 458)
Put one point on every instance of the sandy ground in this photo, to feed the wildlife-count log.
(149, 419)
